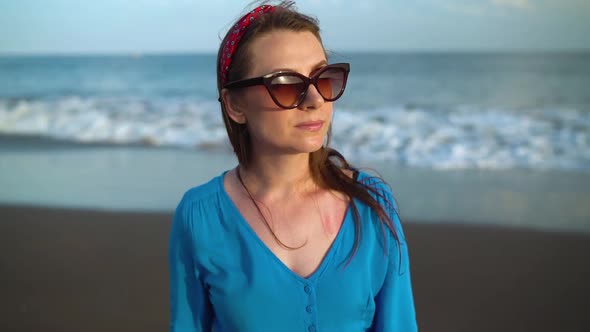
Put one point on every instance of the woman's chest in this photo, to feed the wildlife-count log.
(257, 294)
(248, 284)
(299, 238)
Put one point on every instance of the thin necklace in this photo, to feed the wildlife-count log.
(262, 215)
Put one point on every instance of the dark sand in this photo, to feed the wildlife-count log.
(68, 270)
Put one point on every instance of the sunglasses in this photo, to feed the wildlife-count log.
(288, 89)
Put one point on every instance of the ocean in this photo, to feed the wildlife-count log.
(500, 138)
(439, 111)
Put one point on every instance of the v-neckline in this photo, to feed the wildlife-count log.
(244, 223)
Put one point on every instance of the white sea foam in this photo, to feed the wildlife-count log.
(468, 138)
(116, 121)
(463, 137)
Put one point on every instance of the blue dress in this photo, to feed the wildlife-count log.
(222, 275)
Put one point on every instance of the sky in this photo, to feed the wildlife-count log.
(180, 26)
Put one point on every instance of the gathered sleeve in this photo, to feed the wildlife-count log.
(190, 309)
(395, 311)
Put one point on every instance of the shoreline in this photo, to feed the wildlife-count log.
(90, 270)
(154, 179)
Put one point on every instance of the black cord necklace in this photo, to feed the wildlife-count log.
(262, 215)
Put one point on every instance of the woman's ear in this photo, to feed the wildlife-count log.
(233, 109)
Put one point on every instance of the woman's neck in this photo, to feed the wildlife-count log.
(276, 177)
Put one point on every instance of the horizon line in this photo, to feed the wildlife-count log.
(335, 52)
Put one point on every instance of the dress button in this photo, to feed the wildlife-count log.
(308, 309)
(311, 328)
(307, 289)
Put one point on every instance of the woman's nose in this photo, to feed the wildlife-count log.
(313, 99)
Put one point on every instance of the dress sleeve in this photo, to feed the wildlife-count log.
(190, 309)
(394, 303)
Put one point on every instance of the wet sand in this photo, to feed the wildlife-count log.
(89, 270)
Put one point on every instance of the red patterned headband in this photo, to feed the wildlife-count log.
(235, 35)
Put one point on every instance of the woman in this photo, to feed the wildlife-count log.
(293, 238)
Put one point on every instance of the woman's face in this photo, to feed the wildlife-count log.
(273, 129)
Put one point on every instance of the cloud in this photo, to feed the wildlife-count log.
(517, 4)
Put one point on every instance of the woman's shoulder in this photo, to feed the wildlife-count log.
(383, 193)
(374, 181)
(380, 190)
(204, 194)
(203, 190)
(201, 206)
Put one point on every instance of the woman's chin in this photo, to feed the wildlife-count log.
(311, 145)
(304, 148)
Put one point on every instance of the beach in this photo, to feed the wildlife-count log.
(95, 270)
(487, 154)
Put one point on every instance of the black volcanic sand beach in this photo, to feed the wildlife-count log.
(77, 270)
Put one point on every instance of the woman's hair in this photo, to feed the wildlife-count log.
(327, 166)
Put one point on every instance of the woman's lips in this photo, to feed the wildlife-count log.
(311, 125)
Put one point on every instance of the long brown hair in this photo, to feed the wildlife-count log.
(327, 166)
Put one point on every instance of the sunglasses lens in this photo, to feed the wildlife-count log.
(330, 83)
(287, 89)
